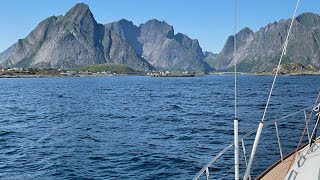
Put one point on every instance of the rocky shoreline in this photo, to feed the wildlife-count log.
(293, 69)
(175, 75)
(41, 74)
(112, 70)
(290, 74)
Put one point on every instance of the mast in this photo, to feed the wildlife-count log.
(235, 121)
(259, 131)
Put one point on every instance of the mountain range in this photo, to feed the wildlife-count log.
(260, 51)
(76, 39)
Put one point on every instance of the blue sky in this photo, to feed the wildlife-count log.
(209, 21)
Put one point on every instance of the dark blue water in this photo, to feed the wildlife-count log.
(137, 127)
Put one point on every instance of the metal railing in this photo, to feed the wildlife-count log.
(213, 162)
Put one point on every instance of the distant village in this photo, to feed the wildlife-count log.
(172, 74)
(35, 72)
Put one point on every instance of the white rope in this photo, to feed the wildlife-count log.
(284, 51)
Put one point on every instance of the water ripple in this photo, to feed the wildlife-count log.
(136, 127)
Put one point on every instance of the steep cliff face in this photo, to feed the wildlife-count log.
(65, 42)
(119, 51)
(127, 31)
(260, 51)
(225, 58)
(6, 54)
(70, 41)
(156, 42)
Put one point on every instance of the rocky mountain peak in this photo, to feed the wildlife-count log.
(245, 35)
(309, 20)
(80, 13)
(158, 28)
(121, 27)
(245, 32)
(125, 22)
(185, 41)
(79, 8)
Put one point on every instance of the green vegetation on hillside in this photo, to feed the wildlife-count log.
(29, 72)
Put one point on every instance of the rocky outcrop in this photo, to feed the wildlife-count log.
(294, 68)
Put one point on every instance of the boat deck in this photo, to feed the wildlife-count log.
(305, 160)
(279, 171)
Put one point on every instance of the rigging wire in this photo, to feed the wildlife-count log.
(256, 141)
(284, 52)
(247, 135)
(235, 60)
(235, 121)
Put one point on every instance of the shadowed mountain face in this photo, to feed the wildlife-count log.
(76, 39)
(260, 51)
(156, 42)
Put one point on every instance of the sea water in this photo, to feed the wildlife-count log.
(141, 127)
